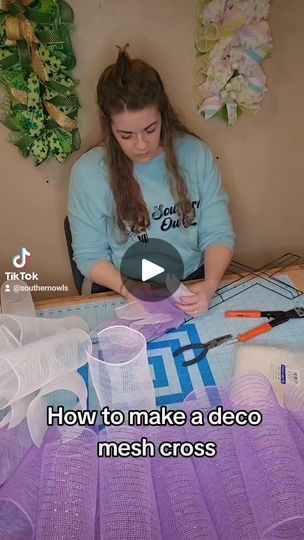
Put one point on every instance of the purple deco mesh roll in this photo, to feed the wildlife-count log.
(19, 499)
(220, 477)
(272, 467)
(252, 489)
(154, 329)
(160, 317)
(181, 503)
(97, 515)
(68, 489)
(14, 443)
(128, 509)
(294, 403)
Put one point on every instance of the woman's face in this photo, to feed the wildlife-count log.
(138, 133)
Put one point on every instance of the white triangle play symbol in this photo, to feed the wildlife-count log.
(150, 270)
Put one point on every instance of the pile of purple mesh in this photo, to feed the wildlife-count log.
(253, 488)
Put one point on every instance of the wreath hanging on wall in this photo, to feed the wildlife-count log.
(233, 39)
(40, 106)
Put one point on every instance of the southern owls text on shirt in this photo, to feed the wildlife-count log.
(165, 213)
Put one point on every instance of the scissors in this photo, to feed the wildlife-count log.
(274, 319)
(204, 346)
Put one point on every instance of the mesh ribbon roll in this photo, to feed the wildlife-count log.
(294, 403)
(8, 339)
(14, 444)
(68, 488)
(220, 477)
(121, 374)
(16, 301)
(36, 414)
(24, 370)
(18, 411)
(128, 508)
(29, 329)
(180, 500)
(270, 461)
(19, 499)
(152, 319)
(253, 488)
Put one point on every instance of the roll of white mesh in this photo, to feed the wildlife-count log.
(19, 409)
(15, 299)
(5, 416)
(29, 329)
(36, 414)
(121, 373)
(8, 340)
(24, 370)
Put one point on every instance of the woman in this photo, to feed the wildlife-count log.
(151, 178)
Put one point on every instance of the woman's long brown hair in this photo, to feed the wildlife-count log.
(132, 84)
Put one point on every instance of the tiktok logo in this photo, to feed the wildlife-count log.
(20, 260)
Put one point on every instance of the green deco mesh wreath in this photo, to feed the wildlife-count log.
(36, 58)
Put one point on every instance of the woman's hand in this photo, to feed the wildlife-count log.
(130, 298)
(132, 286)
(199, 303)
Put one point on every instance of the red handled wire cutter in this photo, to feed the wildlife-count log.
(276, 318)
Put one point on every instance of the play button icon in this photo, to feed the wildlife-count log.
(145, 268)
(150, 270)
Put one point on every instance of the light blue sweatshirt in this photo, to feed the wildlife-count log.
(91, 207)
